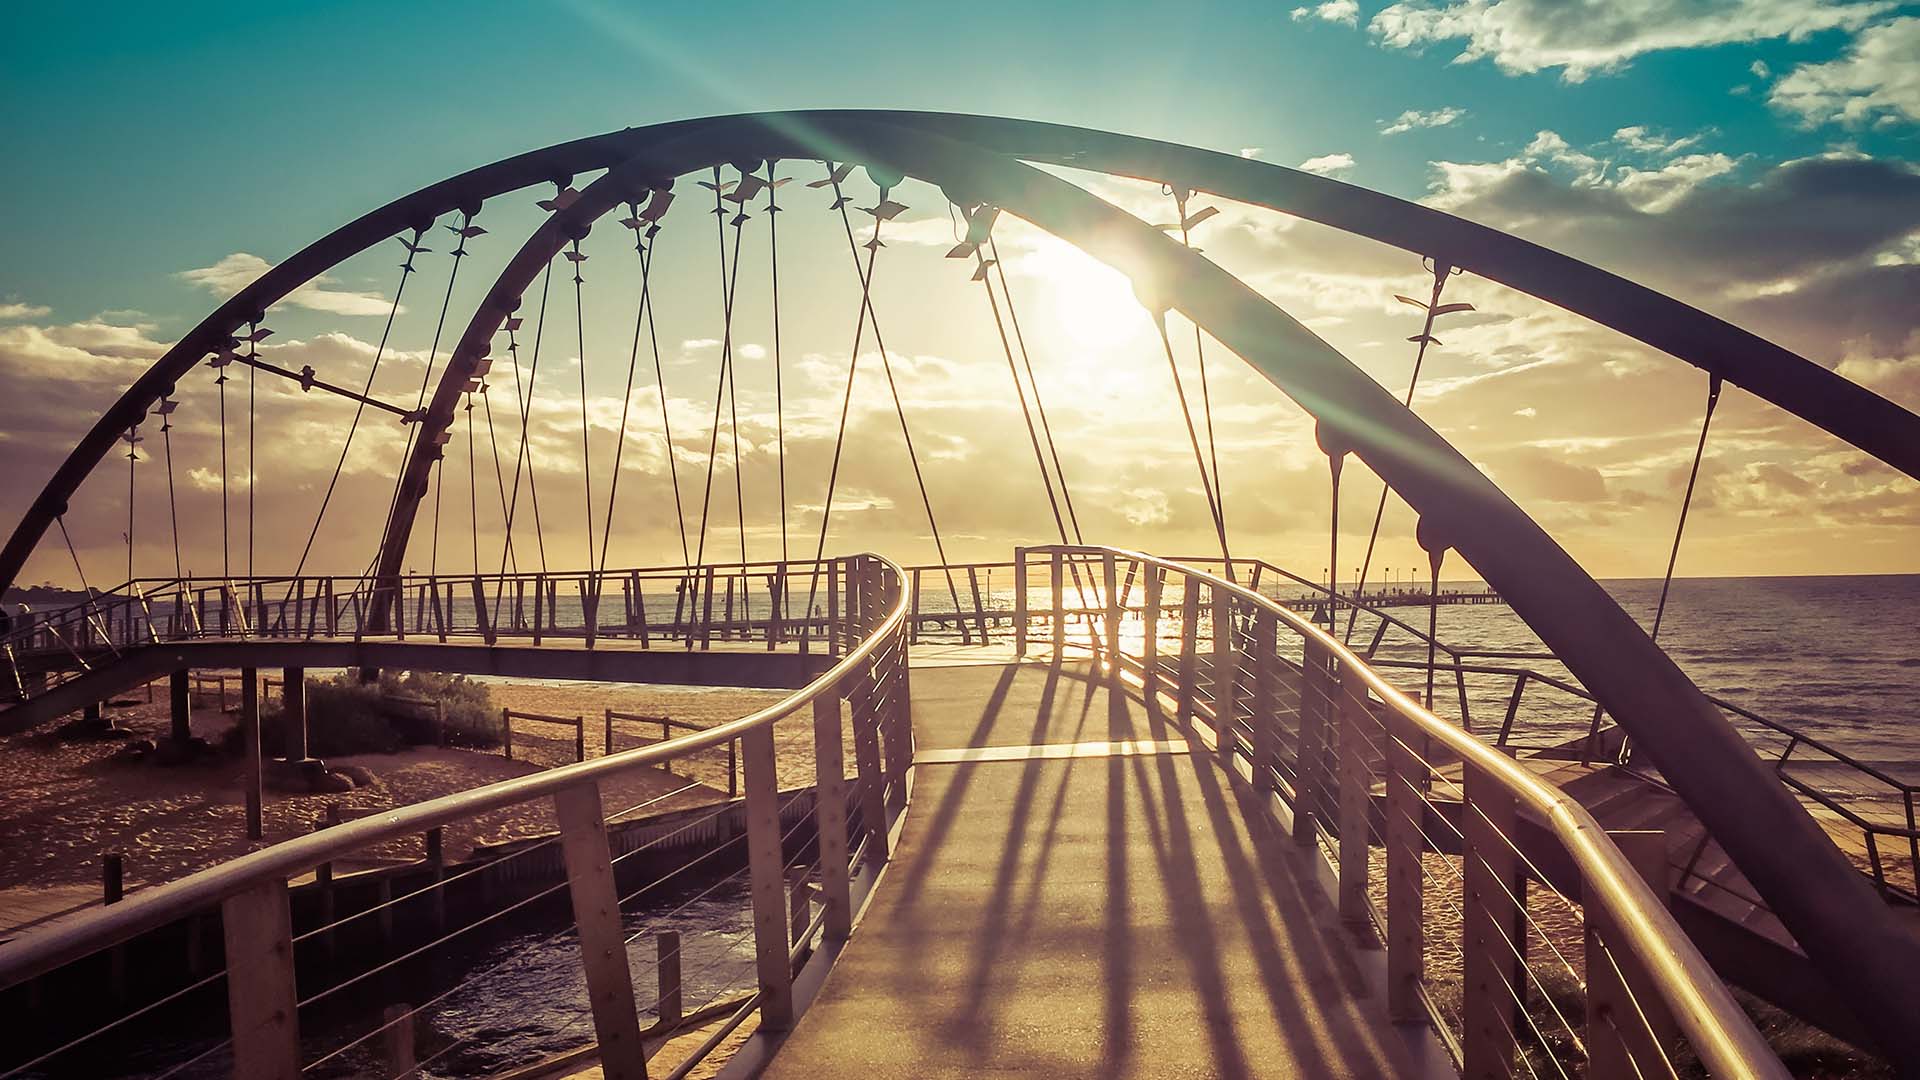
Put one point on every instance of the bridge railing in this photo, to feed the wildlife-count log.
(1528, 710)
(1531, 937)
(798, 854)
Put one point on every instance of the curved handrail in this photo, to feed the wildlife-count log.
(155, 907)
(1718, 1029)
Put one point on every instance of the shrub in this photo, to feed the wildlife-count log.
(347, 716)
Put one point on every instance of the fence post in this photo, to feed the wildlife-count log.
(261, 999)
(1626, 1020)
(506, 732)
(596, 915)
(1308, 776)
(667, 952)
(1226, 678)
(764, 861)
(1359, 729)
(1189, 651)
(1263, 752)
(399, 1041)
(250, 746)
(1406, 929)
(1110, 584)
(830, 815)
(579, 738)
(1019, 602)
(1489, 924)
(1058, 586)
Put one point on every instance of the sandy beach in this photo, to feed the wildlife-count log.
(68, 802)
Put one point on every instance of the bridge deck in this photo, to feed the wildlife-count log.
(1111, 914)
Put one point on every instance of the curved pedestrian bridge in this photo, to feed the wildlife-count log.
(1180, 830)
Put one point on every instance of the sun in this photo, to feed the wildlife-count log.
(1089, 305)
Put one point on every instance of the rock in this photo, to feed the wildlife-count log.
(334, 782)
(361, 776)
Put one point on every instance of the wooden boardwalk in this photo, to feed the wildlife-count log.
(1075, 895)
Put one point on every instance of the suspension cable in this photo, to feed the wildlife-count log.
(586, 450)
(133, 456)
(882, 211)
(61, 520)
(1180, 196)
(252, 375)
(406, 269)
(473, 489)
(523, 455)
(499, 476)
(720, 380)
(226, 567)
(420, 400)
(1193, 436)
(173, 510)
(1442, 272)
(657, 209)
(1040, 407)
(633, 362)
(779, 394)
(1706, 421)
(1020, 392)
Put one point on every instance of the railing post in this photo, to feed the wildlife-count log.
(1150, 649)
(1406, 929)
(866, 756)
(1019, 602)
(262, 1001)
(250, 746)
(667, 953)
(1310, 742)
(596, 915)
(1226, 678)
(830, 816)
(764, 862)
(1263, 753)
(1057, 585)
(1189, 662)
(1359, 729)
(1110, 585)
(1490, 925)
(1627, 1021)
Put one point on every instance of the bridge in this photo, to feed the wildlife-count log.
(1136, 816)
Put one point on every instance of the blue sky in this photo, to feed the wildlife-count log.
(150, 149)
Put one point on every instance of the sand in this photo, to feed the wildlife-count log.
(66, 804)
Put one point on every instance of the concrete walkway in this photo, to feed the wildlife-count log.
(1103, 911)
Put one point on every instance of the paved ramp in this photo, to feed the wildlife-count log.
(1100, 911)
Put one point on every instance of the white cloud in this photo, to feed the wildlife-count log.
(1327, 164)
(23, 311)
(1640, 139)
(1414, 118)
(240, 269)
(1656, 190)
(1250, 152)
(1581, 37)
(1760, 69)
(1877, 81)
(1346, 12)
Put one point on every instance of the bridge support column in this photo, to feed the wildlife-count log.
(293, 700)
(596, 915)
(250, 746)
(180, 699)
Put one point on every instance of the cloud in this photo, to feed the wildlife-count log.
(1760, 69)
(1327, 164)
(1640, 139)
(1345, 12)
(1876, 82)
(15, 310)
(1250, 152)
(1580, 37)
(238, 270)
(1414, 118)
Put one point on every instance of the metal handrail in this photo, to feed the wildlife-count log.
(1718, 1029)
(151, 908)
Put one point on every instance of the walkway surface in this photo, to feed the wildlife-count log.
(1096, 911)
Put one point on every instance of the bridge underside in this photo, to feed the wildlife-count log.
(1063, 906)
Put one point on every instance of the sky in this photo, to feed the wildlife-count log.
(1754, 159)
